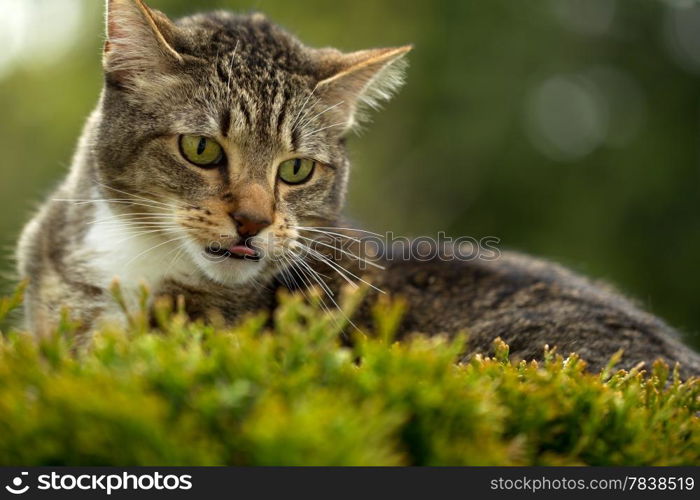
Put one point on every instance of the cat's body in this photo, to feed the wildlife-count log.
(221, 136)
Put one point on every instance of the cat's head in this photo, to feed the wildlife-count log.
(222, 128)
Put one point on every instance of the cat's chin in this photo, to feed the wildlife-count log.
(225, 270)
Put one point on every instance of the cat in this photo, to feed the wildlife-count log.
(214, 168)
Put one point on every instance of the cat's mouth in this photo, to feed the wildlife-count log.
(243, 250)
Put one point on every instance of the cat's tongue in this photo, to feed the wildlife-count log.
(243, 251)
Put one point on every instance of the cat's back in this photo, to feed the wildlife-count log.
(529, 303)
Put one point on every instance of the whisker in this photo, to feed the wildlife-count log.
(155, 247)
(309, 120)
(173, 203)
(313, 273)
(309, 286)
(288, 275)
(136, 228)
(282, 274)
(345, 252)
(135, 218)
(341, 229)
(303, 289)
(178, 250)
(329, 294)
(116, 201)
(139, 234)
(287, 272)
(303, 107)
(132, 195)
(338, 268)
(135, 223)
(127, 223)
(314, 132)
(135, 232)
(314, 230)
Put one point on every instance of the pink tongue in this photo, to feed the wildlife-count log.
(243, 250)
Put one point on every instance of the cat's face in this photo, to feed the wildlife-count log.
(227, 133)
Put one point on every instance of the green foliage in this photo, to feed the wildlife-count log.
(190, 394)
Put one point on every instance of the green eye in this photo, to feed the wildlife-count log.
(201, 151)
(297, 171)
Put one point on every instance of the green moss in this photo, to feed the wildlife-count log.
(195, 394)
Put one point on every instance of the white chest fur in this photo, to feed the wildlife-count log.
(134, 254)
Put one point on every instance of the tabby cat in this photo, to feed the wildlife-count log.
(215, 163)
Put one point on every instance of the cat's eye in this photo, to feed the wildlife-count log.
(201, 151)
(297, 171)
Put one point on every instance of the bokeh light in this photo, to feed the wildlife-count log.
(37, 31)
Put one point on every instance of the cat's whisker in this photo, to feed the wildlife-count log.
(179, 248)
(345, 252)
(309, 120)
(330, 233)
(315, 275)
(172, 205)
(116, 228)
(328, 292)
(340, 236)
(309, 285)
(288, 250)
(142, 233)
(112, 226)
(337, 267)
(126, 219)
(88, 201)
(279, 276)
(285, 274)
(339, 272)
(295, 123)
(135, 222)
(137, 229)
(179, 238)
(132, 195)
(134, 229)
(304, 286)
(147, 210)
(145, 229)
(321, 302)
(314, 132)
(305, 114)
(131, 220)
(130, 237)
(335, 228)
(260, 285)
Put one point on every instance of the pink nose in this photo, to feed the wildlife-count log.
(249, 225)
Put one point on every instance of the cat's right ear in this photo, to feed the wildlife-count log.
(359, 80)
(139, 40)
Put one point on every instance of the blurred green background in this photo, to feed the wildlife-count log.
(568, 128)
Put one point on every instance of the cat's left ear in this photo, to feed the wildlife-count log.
(139, 40)
(360, 81)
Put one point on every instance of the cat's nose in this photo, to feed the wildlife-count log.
(249, 225)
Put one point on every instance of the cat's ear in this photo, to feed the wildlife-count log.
(139, 39)
(360, 81)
